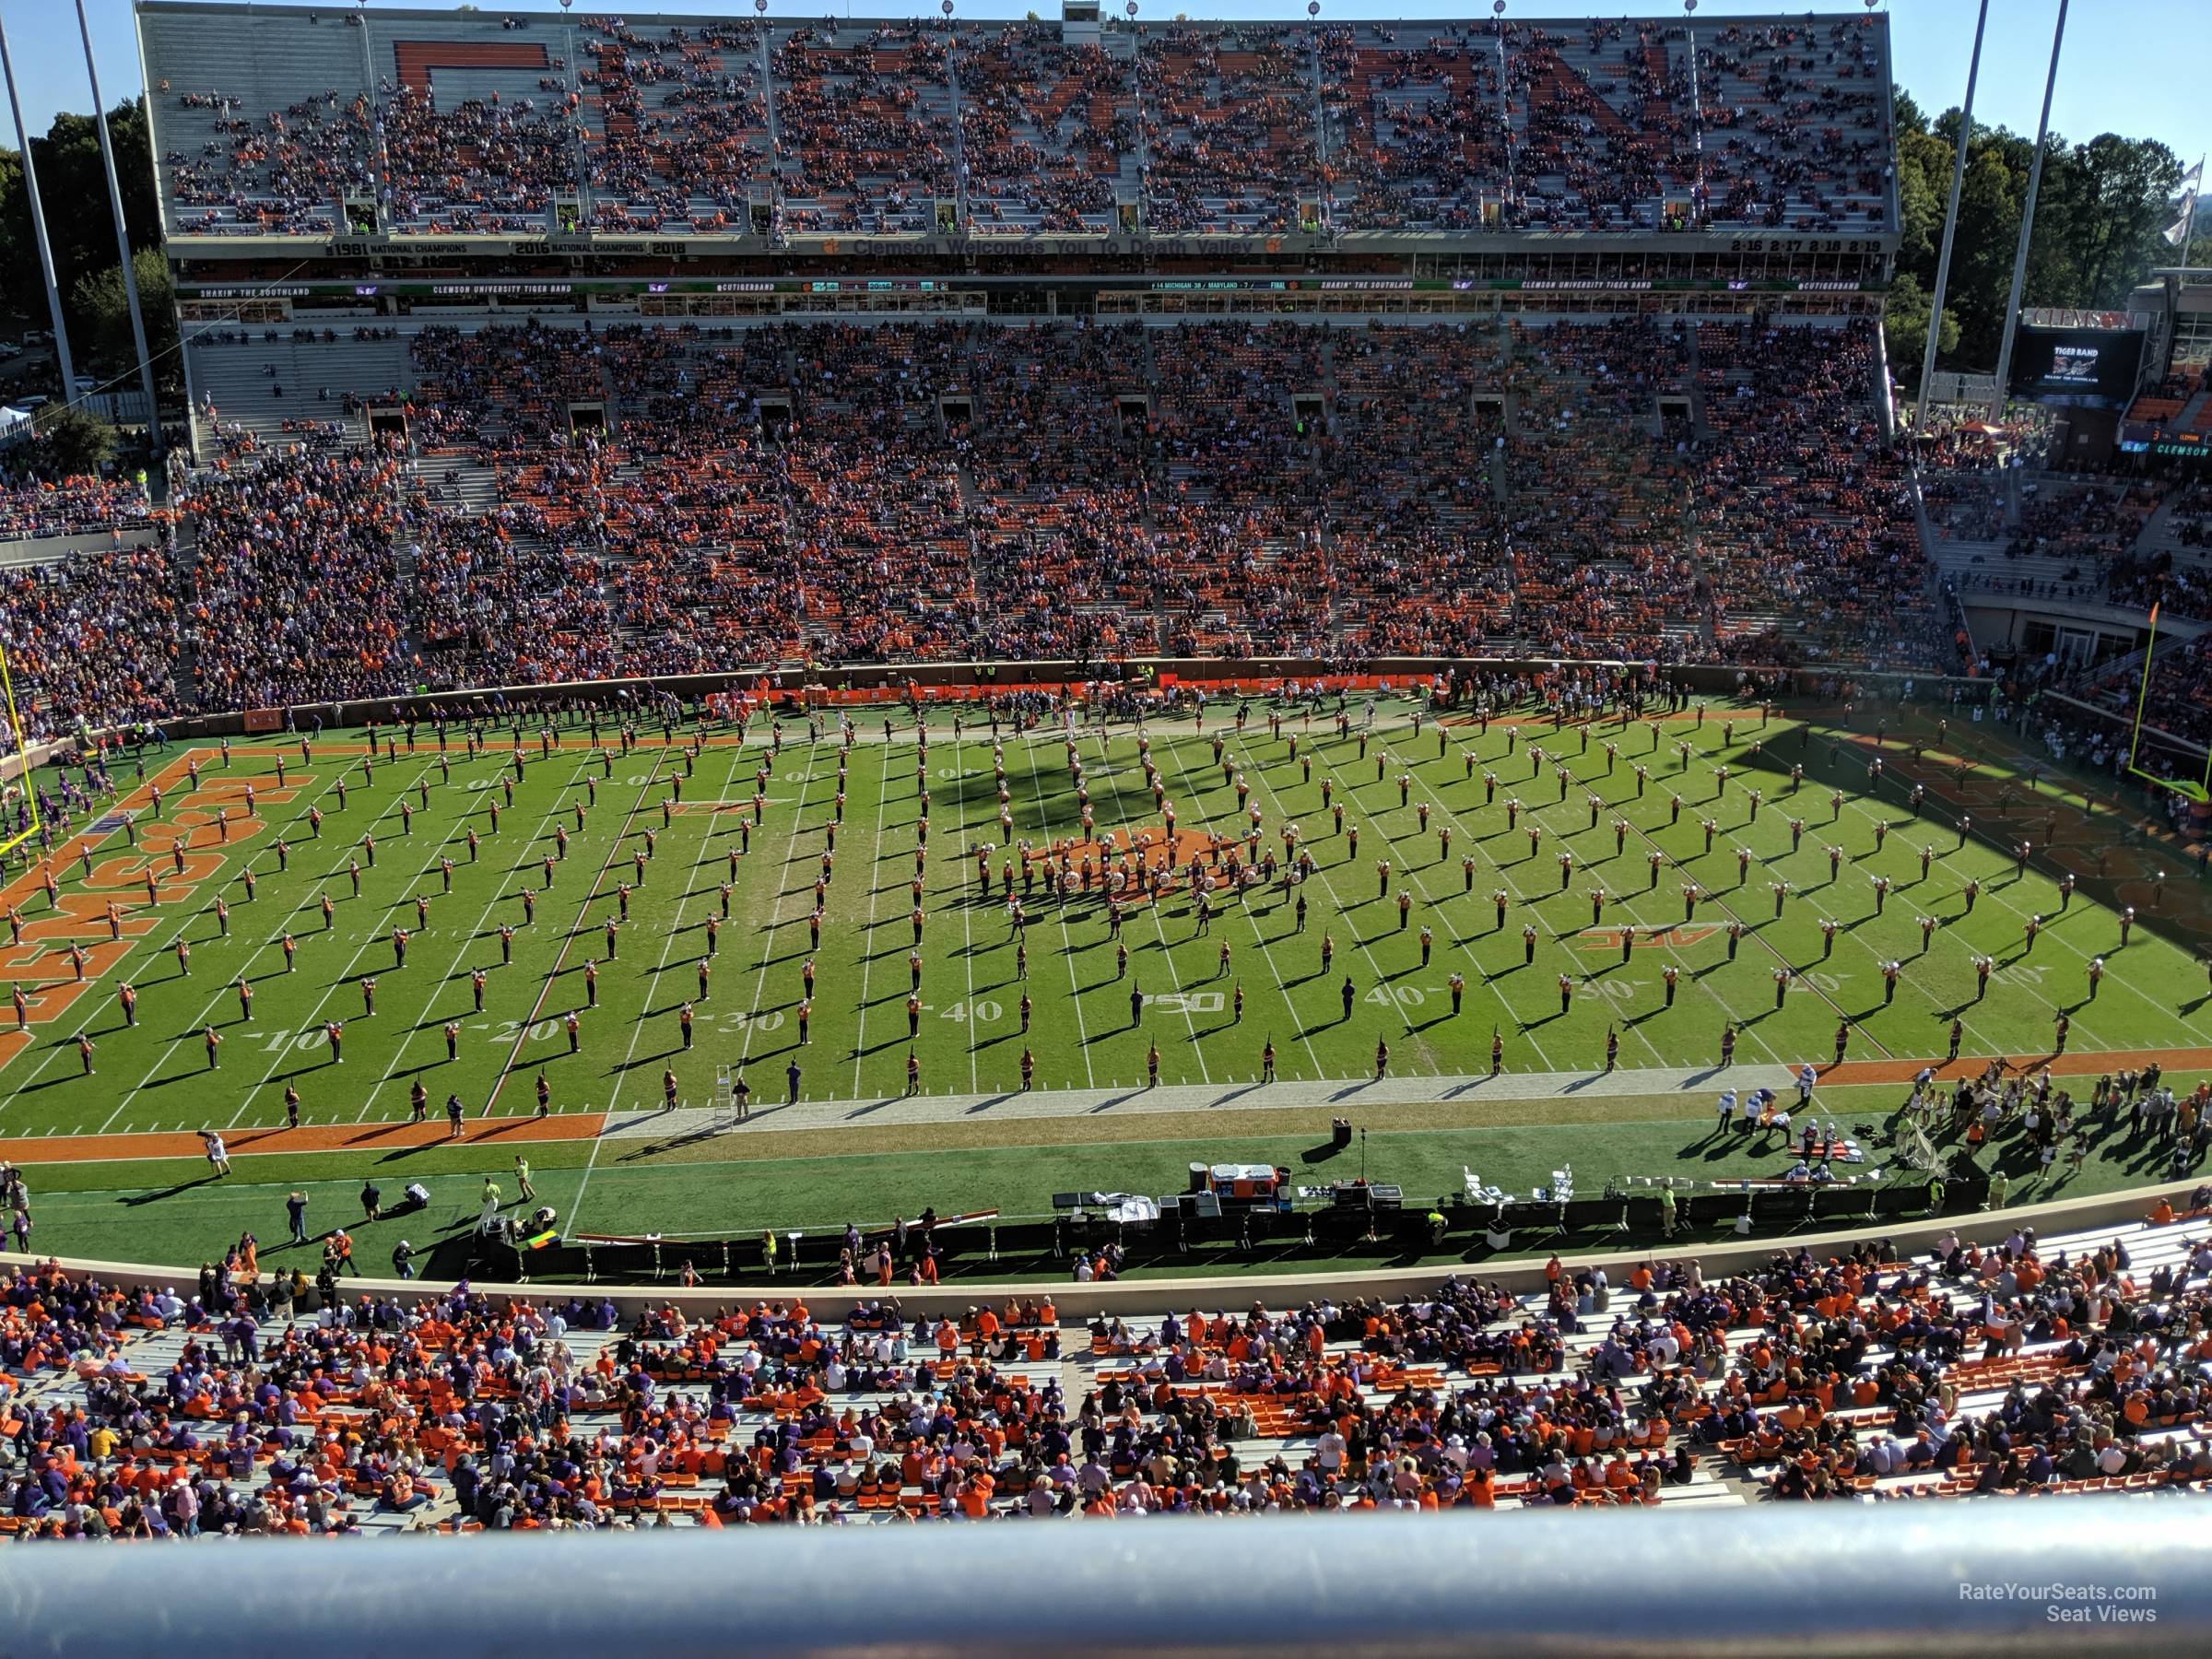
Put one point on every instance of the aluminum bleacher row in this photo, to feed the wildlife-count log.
(1941, 1376)
(267, 117)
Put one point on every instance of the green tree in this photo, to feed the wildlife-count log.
(73, 184)
(103, 308)
(2126, 188)
(73, 187)
(2099, 215)
(76, 440)
(1907, 324)
(1924, 186)
(1989, 222)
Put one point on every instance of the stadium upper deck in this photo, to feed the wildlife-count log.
(278, 127)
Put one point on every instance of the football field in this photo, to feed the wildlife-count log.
(526, 961)
(609, 875)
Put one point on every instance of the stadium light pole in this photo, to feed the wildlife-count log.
(37, 224)
(2035, 182)
(1696, 108)
(122, 235)
(1951, 229)
(1136, 104)
(1321, 132)
(960, 147)
(1505, 114)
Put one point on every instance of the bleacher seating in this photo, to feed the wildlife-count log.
(458, 123)
(666, 498)
(1966, 1372)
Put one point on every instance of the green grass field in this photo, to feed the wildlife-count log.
(156, 1077)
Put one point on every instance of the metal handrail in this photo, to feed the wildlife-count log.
(1944, 1575)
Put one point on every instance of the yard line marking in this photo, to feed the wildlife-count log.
(1996, 896)
(468, 935)
(867, 938)
(569, 935)
(1321, 872)
(315, 1017)
(1243, 909)
(1944, 933)
(775, 901)
(966, 907)
(1075, 991)
(228, 988)
(1532, 902)
(676, 927)
(1634, 903)
(576, 1202)
(1160, 925)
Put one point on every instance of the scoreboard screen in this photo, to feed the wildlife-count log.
(2077, 368)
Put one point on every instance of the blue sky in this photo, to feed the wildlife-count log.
(2131, 67)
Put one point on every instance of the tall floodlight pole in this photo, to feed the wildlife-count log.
(1321, 136)
(2035, 179)
(960, 145)
(1697, 110)
(1137, 105)
(1505, 116)
(1950, 229)
(122, 235)
(38, 225)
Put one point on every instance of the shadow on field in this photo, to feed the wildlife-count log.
(136, 1199)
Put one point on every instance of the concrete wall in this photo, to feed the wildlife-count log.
(1130, 1297)
(46, 549)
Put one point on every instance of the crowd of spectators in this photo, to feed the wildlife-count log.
(1803, 510)
(1594, 514)
(96, 638)
(582, 500)
(38, 500)
(264, 1403)
(2009, 529)
(1045, 126)
(2189, 516)
(863, 127)
(1055, 454)
(1408, 497)
(682, 133)
(294, 583)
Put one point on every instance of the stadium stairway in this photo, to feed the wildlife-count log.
(236, 378)
(2161, 538)
(1700, 429)
(183, 563)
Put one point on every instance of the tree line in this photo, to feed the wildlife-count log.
(73, 188)
(2101, 218)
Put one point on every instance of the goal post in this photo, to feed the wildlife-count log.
(2199, 792)
(16, 788)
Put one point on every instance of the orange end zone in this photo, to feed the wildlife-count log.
(306, 1141)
